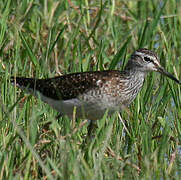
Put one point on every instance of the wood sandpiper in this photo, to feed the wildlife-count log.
(92, 93)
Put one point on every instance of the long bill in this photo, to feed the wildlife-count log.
(164, 72)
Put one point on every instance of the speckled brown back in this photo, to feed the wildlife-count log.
(68, 86)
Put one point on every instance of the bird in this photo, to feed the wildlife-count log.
(91, 94)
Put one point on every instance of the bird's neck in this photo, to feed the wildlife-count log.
(134, 71)
(135, 80)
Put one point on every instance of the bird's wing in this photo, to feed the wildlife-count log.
(67, 86)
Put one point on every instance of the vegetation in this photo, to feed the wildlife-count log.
(49, 38)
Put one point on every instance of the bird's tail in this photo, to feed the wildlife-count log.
(28, 84)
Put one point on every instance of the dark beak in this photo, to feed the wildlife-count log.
(162, 71)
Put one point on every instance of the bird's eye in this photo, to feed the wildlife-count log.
(147, 59)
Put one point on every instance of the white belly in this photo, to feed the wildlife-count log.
(86, 110)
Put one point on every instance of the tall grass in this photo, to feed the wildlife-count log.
(49, 38)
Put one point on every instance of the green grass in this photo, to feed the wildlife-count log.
(48, 38)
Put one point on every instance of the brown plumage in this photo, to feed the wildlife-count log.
(92, 93)
(69, 86)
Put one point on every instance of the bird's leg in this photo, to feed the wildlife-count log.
(92, 125)
(91, 130)
(59, 116)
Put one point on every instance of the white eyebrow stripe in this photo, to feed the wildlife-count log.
(148, 56)
(145, 55)
(139, 53)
